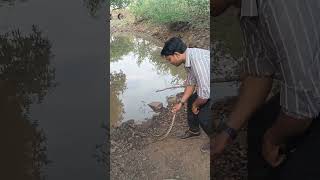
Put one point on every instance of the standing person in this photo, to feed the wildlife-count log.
(282, 41)
(197, 64)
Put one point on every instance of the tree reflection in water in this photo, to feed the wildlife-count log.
(25, 78)
(10, 2)
(94, 6)
(145, 50)
(117, 87)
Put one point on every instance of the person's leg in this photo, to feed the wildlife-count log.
(205, 117)
(193, 121)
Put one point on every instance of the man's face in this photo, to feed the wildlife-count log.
(175, 59)
(219, 6)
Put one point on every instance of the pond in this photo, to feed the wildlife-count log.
(53, 89)
(138, 71)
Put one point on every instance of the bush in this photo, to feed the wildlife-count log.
(168, 11)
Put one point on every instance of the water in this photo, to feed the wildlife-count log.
(137, 72)
(67, 107)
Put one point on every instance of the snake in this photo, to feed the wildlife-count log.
(163, 136)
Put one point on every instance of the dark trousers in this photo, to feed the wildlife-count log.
(303, 163)
(204, 118)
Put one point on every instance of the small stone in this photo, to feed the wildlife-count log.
(156, 106)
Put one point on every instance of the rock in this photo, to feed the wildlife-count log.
(172, 99)
(156, 106)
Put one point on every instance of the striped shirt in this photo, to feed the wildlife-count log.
(282, 39)
(249, 8)
(197, 66)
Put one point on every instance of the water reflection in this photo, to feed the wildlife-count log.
(26, 77)
(143, 50)
(26, 59)
(117, 87)
(120, 46)
(94, 6)
(139, 71)
(9, 2)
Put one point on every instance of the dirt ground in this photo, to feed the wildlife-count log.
(142, 156)
(136, 153)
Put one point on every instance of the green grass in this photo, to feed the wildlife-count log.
(168, 11)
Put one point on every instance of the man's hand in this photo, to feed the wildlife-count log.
(176, 108)
(271, 150)
(195, 109)
(275, 138)
(218, 144)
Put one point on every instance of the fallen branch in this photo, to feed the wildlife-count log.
(174, 87)
(215, 80)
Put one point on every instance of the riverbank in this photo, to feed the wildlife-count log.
(192, 36)
(136, 153)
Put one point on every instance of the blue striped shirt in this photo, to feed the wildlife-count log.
(285, 42)
(197, 66)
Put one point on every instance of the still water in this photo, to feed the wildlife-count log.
(137, 72)
(53, 89)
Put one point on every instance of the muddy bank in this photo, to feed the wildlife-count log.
(137, 154)
(192, 36)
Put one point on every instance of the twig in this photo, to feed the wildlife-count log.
(215, 80)
(173, 87)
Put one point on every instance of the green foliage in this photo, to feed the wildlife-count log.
(168, 11)
(117, 4)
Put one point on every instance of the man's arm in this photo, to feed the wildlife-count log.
(253, 92)
(188, 91)
(199, 102)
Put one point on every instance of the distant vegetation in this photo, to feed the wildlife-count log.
(196, 12)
